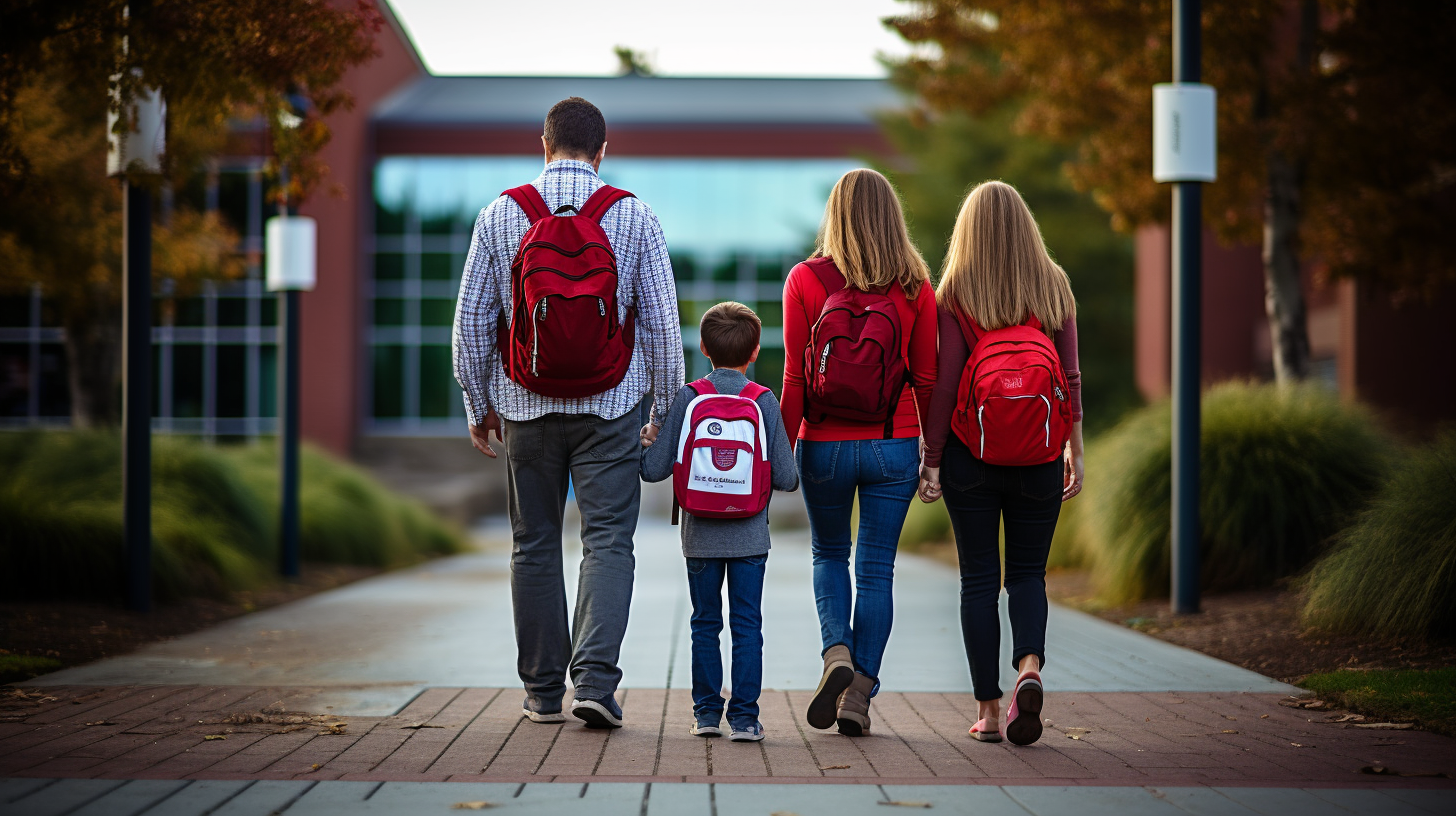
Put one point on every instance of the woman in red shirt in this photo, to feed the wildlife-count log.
(864, 243)
(998, 274)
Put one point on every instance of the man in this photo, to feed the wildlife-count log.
(593, 440)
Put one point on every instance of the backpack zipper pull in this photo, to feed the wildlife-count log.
(543, 308)
(824, 356)
(601, 307)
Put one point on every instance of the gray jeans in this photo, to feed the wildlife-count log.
(601, 457)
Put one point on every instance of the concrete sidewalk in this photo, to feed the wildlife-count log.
(375, 645)
(399, 695)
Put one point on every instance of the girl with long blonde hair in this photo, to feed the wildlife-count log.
(867, 270)
(999, 276)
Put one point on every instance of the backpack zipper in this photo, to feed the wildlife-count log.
(824, 356)
(536, 338)
(601, 307)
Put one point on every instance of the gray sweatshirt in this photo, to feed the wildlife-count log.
(724, 538)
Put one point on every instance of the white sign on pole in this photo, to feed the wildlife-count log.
(142, 145)
(1185, 139)
(292, 246)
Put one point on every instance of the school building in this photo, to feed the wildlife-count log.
(738, 171)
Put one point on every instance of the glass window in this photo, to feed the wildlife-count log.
(439, 393)
(232, 381)
(187, 381)
(436, 312)
(388, 266)
(734, 227)
(232, 311)
(388, 312)
(388, 382)
(233, 202)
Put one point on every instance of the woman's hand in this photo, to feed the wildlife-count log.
(1072, 474)
(929, 484)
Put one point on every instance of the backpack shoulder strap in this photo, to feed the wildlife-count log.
(828, 274)
(753, 391)
(602, 200)
(703, 387)
(530, 200)
(1032, 321)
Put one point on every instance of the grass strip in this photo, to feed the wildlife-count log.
(1427, 697)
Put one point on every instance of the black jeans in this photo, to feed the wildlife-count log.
(978, 495)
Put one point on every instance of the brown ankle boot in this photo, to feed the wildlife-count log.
(838, 672)
(854, 707)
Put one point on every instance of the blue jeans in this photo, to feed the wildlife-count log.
(745, 620)
(884, 473)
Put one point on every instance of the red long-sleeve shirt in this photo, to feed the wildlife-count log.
(804, 298)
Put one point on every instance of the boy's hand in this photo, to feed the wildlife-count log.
(649, 434)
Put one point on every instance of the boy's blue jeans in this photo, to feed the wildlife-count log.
(883, 473)
(745, 621)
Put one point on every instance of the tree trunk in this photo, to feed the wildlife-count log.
(93, 352)
(1283, 292)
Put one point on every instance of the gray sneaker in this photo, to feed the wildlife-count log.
(706, 728)
(529, 710)
(747, 733)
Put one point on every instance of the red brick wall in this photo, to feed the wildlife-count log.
(332, 345)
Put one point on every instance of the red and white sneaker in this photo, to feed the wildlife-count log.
(1023, 719)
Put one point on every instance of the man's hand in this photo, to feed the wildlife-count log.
(649, 434)
(480, 434)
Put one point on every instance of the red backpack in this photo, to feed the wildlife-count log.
(722, 468)
(1013, 406)
(563, 339)
(854, 365)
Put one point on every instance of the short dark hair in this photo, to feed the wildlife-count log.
(574, 127)
(729, 332)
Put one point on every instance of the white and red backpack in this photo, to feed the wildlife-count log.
(1013, 405)
(722, 467)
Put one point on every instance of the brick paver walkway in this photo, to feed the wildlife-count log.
(477, 734)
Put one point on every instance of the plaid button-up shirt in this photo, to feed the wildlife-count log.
(644, 280)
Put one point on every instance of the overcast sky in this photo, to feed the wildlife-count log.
(837, 38)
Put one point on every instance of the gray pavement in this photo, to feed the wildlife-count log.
(375, 644)
(95, 797)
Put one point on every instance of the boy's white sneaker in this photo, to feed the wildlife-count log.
(748, 733)
(704, 728)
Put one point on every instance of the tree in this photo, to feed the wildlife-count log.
(631, 62)
(939, 157)
(215, 61)
(1310, 94)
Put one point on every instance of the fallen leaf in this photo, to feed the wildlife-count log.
(1228, 731)
(1263, 716)
(477, 805)
(1077, 733)
(314, 767)
(215, 736)
(1227, 717)
(101, 722)
(832, 767)
(418, 726)
(1300, 745)
(1384, 726)
(906, 803)
(334, 728)
(1147, 719)
(1347, 718)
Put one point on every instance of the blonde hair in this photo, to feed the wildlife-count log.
(864, 233)
(998, 270)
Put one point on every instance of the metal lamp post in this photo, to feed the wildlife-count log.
(137, 149)
(1185, 153)
(291, 269)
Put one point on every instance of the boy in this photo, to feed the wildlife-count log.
(731, 548)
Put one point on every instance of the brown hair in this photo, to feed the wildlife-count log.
(729, 332)
(864, 232)
(574, 127)
(998, 270)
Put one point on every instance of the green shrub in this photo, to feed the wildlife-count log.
(214, 516)
(1282, 468)
(1393, 572)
